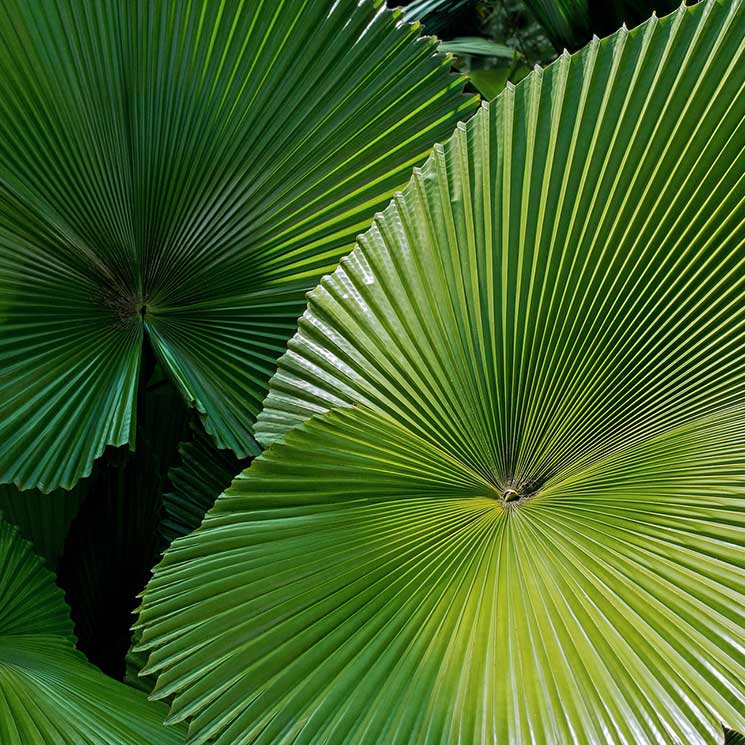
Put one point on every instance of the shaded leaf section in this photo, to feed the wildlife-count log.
(48, 692)
(571, 23)
(115, 539)
(202, 474)
(43, 519)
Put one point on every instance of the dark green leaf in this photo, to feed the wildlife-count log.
(203, 473)
(49, 694)
(43, 519)
(115, 539)
(566, 22)
(184, 171)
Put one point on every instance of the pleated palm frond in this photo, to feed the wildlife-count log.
(565, 276)
(523, 519)
(43, 519)
(361, 584)
(185, 171)
(49, 693)
(202, 473)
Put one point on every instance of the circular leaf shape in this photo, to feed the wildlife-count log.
(565, 276)
(184, 170)
(523, 520)
(359, 584)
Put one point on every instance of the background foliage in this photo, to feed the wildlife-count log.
(496, 41)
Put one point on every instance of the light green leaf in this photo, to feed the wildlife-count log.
(565, 276)
(361, 584)
(49, 693)
(185, 170)
(476, 46)
(559, 292)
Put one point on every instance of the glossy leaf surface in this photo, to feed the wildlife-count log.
(49, 693)
(526, 509)
(360, 583)
(185, 170)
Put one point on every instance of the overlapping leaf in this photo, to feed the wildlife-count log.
(43, 519)
(565, 276)
(358, 584)
(535, 527)
(188, 170)
(49, 693)
(114, 541)
(201, 475)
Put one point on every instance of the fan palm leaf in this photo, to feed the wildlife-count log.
(565, 276)
(184, 171)
(360, 584)
(49, 693)
(506, 496)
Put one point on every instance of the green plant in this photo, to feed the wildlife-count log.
(503, 491)
(535, 30)
(174, 176)
(505, 494)
(179, 175)
(49, 693)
